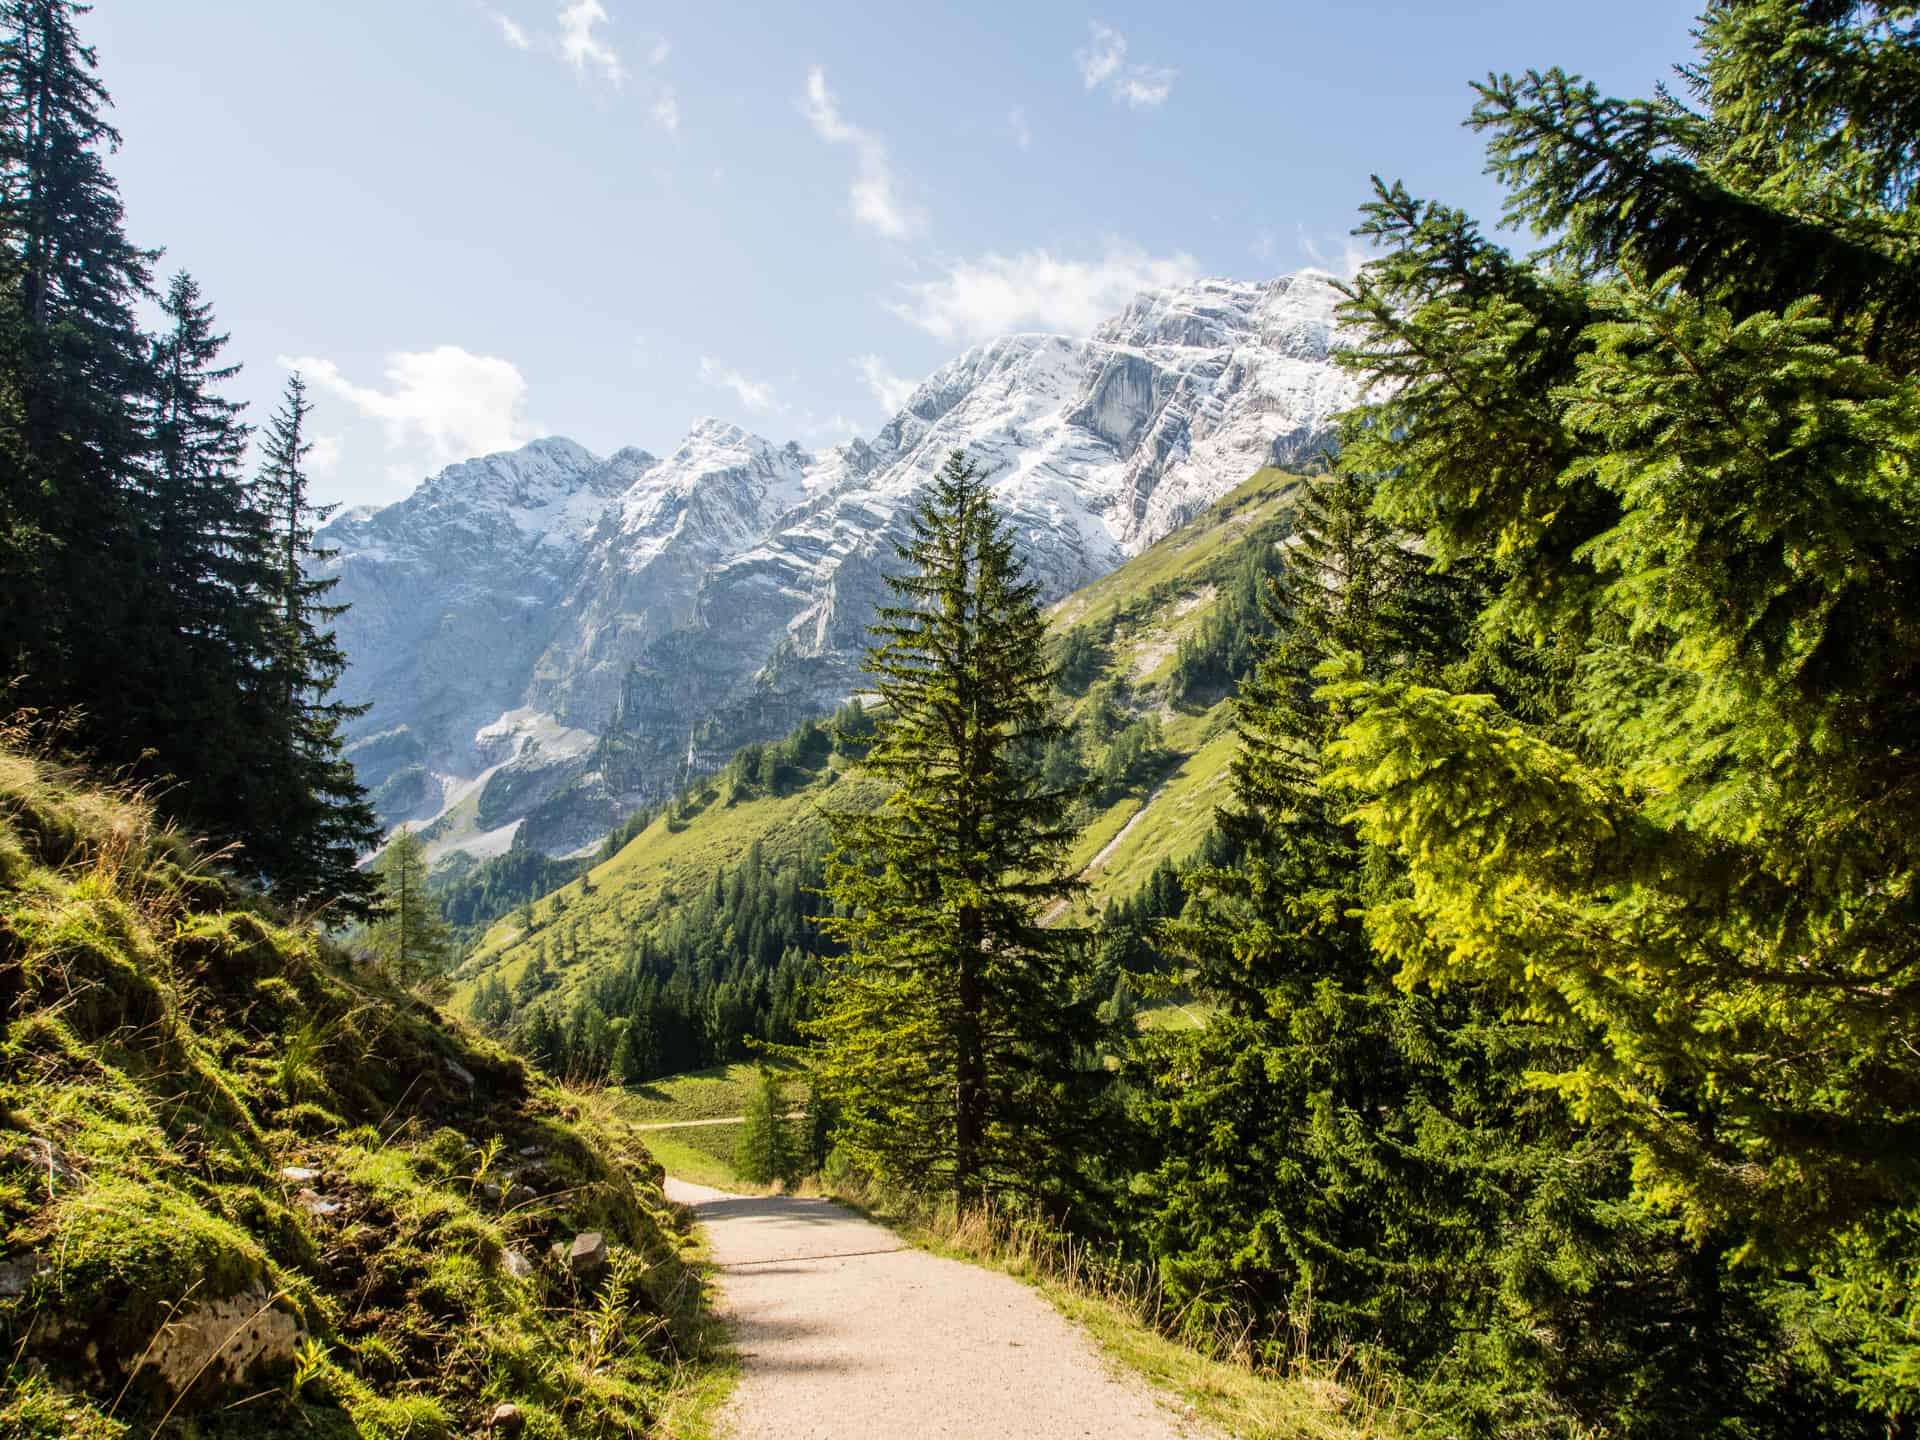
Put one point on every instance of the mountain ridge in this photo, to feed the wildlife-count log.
(505, 612)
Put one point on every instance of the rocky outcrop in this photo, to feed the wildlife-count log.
(220, 1344)
(548, 639)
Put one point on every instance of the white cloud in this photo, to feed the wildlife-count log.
(754, 394)
(666, 112)
(584, 50)
(1104, 65)
(450, 401)
(1345, 263)
(661, 49)
(891, 390)
(1035, 290)
(876, 201)
(511, 30)
(327, 450)
(1018, 128)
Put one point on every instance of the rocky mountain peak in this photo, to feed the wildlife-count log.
(721, 593)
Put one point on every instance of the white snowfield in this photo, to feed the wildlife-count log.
(741, 573)
(847, 1333)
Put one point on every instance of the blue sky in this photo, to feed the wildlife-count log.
(471, 223)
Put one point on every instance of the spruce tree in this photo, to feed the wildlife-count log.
(408, 937)
(326, 821)
(1682, 444)
(76, 571)
(765, 1151)
(952, 1034)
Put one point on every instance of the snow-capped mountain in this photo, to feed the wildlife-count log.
(549, 639)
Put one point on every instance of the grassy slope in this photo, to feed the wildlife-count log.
(168, 1048)
(1150, 603)
(704, 1153)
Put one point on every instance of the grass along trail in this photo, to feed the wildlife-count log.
(846, 1330)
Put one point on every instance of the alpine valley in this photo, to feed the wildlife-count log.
(548, 639)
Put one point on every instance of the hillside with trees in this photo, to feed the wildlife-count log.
(696, 928)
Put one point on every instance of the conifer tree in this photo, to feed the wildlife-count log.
(765, 1151)
(327, 821)
(76, 570)
(951, 1034)
(1682, 443)
(408, 937)
(210, 619)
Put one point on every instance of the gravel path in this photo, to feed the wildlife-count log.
(846, 1331)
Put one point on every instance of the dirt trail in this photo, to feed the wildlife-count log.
(717, 1120)
(846, 1331)
(1059, 907)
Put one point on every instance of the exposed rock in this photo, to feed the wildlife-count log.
(459, 1072)
(507, 1419)
(16, 1274)
(517, 1265)
(518, 1195)
(507, 609)
(315, 1203)
(223, 1342)
(298, 1174)
(588, 1253)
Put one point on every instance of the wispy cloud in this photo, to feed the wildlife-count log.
(891, 390)
(448, 401)
(1104, 66)
(511, 30)
(584, 49)
(754, 394)
(666, 112)
(874, 194)
(661, 49)
(1342, 256)
(325, 457)
(1018, 127)
(1036, 290)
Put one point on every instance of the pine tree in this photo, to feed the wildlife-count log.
(326, 821)
(765, 1152)
(408, 936)
(952, 1033)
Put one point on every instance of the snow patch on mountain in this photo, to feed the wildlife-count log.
(564, 635)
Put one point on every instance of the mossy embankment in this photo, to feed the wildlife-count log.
(248, 1188)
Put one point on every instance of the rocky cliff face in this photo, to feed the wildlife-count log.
(549, 639)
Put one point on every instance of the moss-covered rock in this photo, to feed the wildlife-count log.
(251, 1187)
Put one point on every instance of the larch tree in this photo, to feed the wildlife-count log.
(953, 1033)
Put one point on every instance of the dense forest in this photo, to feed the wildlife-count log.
(157, 611)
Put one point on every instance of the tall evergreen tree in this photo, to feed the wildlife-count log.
(952, 1033)
(209, 625)
(77, 568)
(326, 822)
(1683, 441)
